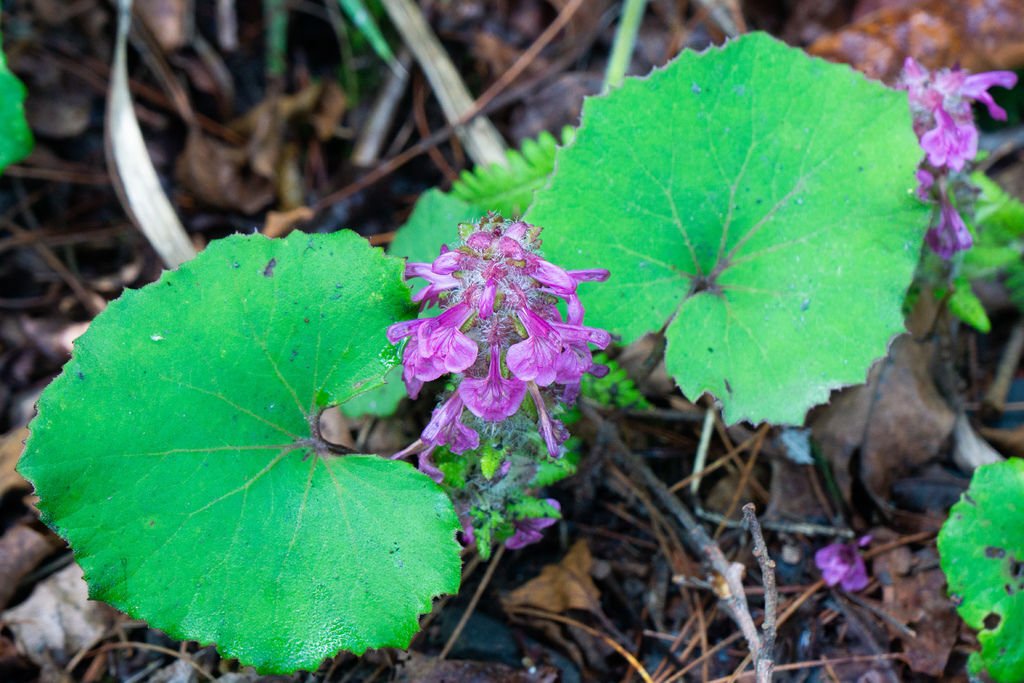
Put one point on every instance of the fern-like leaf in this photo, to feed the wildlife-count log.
(509, 189)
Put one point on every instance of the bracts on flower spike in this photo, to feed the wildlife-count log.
(500, 335)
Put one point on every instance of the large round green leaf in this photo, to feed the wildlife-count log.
(981, 547)
(756, 201)
(177, 454)
(15, 137)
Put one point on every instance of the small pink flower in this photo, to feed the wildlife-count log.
(493, 398)
(940, 102)
(531, 530)
(842, 564)
(950, 234)
(446, 429)
(536, 358)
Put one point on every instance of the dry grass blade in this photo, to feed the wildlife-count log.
(481, 138)
(131, 169)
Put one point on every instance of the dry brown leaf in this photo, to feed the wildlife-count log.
(22, 548)
(560, 587)
(280, 223)
(896, 422)
(918, 599)
(219, 175)
(421, 669)
(167, 20)
(58, 619)
(11, 445)
(977, 34)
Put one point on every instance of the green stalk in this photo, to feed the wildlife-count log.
(625, 41)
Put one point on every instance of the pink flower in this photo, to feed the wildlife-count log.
(446, 429)
(536, 358)
(842, 564)
(531, 530)
(950, 234)
(940, 103)
(493, 397)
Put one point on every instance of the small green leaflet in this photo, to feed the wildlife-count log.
(15, 137)
(981, 547)
(175, 453)
(756, 203)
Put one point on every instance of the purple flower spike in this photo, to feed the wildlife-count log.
(940, 103)
(842, 564)
(950, 234)
(531, 530)
(499, 297)
(493, 398)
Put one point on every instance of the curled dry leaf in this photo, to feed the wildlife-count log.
(560, 587)
(980, 35)
(897, 422)
(22, 548)
(167, 20)
(219, 175)
(420, 669)
(58, 619)
(11, 446)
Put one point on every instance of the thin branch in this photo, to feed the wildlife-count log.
(725, 578)
(764, 664)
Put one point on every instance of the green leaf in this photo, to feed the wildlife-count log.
(509, 189)
(981, 547)
(998, 215)
(15, 137)
(759, 204)
(360, 16)
(966, 305)
(175, 453)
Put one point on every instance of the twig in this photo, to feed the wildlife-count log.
(726, 578)
(481, 138)
(805, 528)
(764, 664)
(464, 619)
(994, 403)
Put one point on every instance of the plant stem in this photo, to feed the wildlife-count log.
(625, 41)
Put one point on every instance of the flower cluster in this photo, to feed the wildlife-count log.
(500, 335)
(842, 564)
(940, 103)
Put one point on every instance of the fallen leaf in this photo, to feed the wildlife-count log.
(896, 422)
(22, 548)
(167, 20)
(560, 587)
(219, 175)
(977, 34)
(58, 619)
(11, 445)
(421, 669)
(280, 223)
(918, 599)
